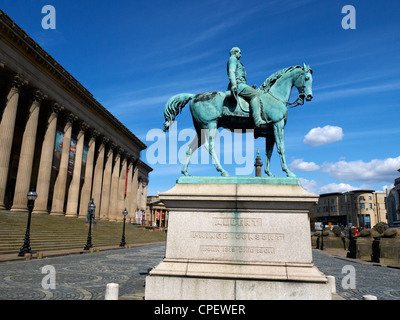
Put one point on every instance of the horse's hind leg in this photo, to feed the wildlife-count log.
(192, 147)
(209, 143)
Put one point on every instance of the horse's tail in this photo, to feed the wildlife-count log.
(174, 106)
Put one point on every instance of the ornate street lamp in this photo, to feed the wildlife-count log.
(123, 243)
(322, 238)
(26, 248)
(91, 209)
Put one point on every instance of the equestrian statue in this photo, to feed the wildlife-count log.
(242, 107)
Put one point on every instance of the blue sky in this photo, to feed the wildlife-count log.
(134, 55)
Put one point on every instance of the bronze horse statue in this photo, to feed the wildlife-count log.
(213, 110)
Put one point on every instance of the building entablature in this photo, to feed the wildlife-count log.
(21, 56)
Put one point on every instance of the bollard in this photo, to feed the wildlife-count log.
(332, 284)
(112, 291)
(369, 297)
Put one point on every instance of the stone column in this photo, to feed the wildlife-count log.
(87, 184)
(105, 194)
(46, 160)
(113, 206)
(24, 173)
(61, 180)
(7, 125)
(128, 198)
(139, 199)
(121, 191)
(144, 197)
(134, 193)
(143, 200)
(98, 176)
(73, 192)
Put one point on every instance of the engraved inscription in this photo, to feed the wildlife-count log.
(237, 236)
(237, 249)
(232, 222)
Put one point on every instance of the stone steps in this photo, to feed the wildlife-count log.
(50, 233)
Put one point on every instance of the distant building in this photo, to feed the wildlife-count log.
(362, 208)
(156, 213)
(393, 204)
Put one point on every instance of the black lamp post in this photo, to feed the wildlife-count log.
(322, 238)
(123, 243)
(91, 209)
(26, 248)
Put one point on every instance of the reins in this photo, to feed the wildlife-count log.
(299, 101)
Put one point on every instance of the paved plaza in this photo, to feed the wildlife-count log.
(85, 276)
(370, 279)
(81, 276)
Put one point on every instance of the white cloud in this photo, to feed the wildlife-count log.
(386, 188)
(319, 136)
(309, 185)
(336, 187)
(301, 165)
(375, 171)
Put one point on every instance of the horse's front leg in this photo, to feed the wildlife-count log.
(269, 147)
(280, 146)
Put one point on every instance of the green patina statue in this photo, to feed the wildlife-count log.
(243, 107)
(239, 87)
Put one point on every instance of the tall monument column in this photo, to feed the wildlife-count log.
(105, 194)
(7, 125)
(23, 181)
(61, 181)
(87, 184)
(73, 192)
(46, 160)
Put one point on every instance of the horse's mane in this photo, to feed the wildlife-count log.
(273, 78)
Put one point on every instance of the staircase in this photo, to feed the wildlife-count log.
(50, 233)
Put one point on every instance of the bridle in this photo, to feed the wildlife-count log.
(300, 99)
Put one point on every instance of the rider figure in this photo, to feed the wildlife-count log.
(239, 87)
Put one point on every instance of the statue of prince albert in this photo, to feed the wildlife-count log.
(243, 107)
(239, 87)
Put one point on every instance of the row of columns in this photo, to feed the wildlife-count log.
(162, 221)
(106, 174)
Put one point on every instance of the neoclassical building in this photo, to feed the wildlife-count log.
(55, 137)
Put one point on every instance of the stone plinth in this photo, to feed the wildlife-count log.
(237, 238)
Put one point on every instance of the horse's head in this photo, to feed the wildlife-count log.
(304, 83)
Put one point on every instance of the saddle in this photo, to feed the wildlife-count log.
(233, 108)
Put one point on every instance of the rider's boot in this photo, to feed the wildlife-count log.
(256, 111)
